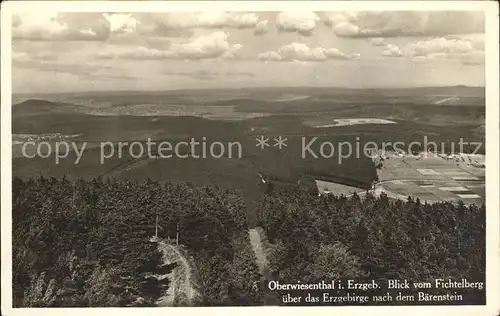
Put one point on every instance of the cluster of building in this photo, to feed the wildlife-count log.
(470, 160)
(43, 137)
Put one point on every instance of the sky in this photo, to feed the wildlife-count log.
(89, 51)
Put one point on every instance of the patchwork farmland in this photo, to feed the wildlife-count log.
(432, 178)
(429, 177)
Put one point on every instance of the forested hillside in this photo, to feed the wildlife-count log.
(315, 238)
(87, 243)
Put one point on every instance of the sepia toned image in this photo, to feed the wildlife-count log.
(221, 157)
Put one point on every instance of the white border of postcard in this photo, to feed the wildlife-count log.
(492, 147)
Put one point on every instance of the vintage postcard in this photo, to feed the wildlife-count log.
(301, 157)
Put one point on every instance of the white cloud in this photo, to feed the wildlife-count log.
(88, 32)
(299, 51)
(477, 43)
(353, 56)
(300, 22)
(333, 53)
(232, 52)
(261, 27)
(228, 19)
(214, 45)
(141, 52)
(20, 56)
(476, 40)
(205, 19)
(404, 23)
(333, 18)
(392, 50)
(472, 58)
(182, 24)
(50, 25)
(419, 58)
(467, 51)
(209, 46)
(42, 24)
(120, 22)
(270, 56)
(378, 41)
(33, 58)
(469, 58)
(439, 45)
(346, 29)
(302, 52)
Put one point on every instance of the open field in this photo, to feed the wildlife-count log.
(431, 179)
(357, 121)
(326, 187)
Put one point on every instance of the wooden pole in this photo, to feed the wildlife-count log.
(177, 237)
(156, 226)
(74, 194)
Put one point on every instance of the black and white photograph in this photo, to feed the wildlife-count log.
(206, 155)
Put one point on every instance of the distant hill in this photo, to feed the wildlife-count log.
(33, 107)
(261, 92)
(456, 91)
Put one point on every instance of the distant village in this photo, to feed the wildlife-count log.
(42, 137)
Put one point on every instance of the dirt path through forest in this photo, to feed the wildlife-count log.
(257, 247)
(180, 291)
(268, 297)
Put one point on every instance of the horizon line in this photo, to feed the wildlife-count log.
(252, 87)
